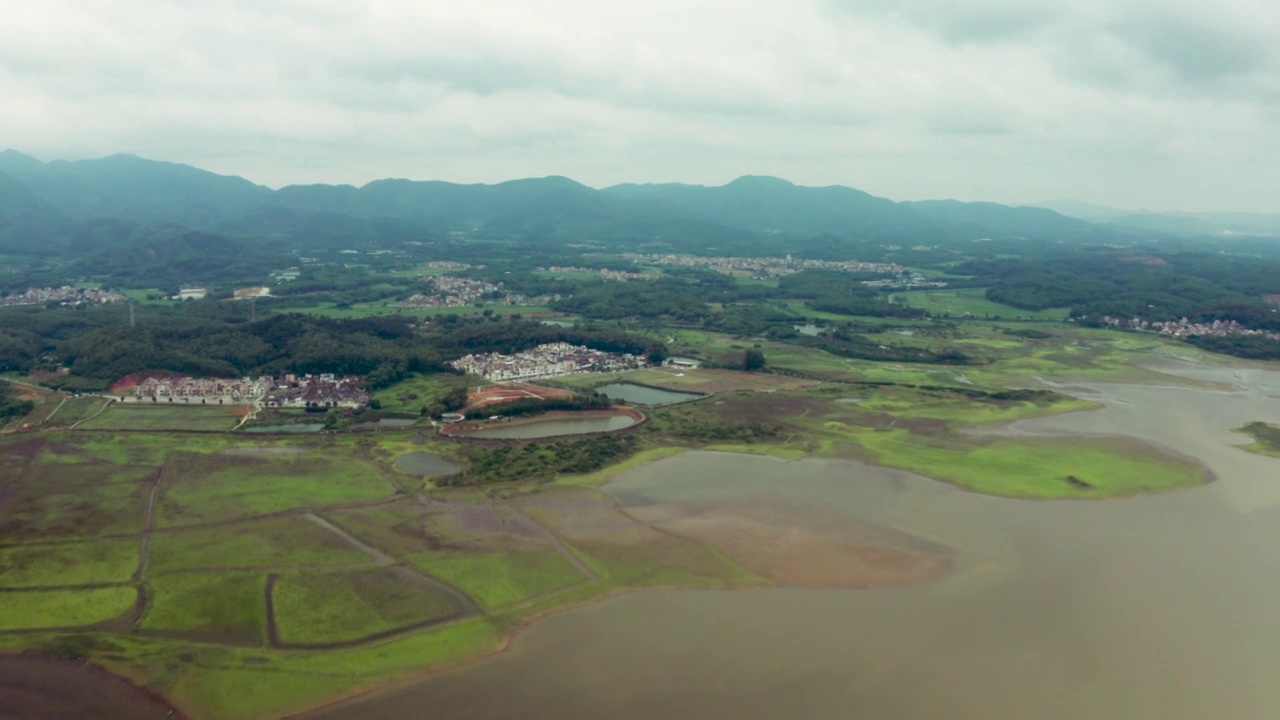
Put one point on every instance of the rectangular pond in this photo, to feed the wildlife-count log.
(641, 395)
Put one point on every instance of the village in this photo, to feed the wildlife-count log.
(65, 295)
(279, 391)
(766, 267)
(1184, 328)
(461, 292)
(607, 274)
(547, 360)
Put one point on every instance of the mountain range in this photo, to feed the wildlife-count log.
(133, 207)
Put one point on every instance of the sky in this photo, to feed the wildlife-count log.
(1167, 105)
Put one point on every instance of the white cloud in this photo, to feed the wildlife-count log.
(1170, 104)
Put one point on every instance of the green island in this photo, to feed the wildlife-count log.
(1266, 438)
(384, 461)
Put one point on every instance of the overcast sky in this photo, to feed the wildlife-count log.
(1168, 104)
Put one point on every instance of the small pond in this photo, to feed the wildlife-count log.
(426, 465)
(810, 330)
(640, 395)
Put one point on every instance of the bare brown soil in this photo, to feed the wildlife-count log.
(507, 392)
(33, 688)
(804, 547)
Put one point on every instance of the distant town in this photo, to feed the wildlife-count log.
(461, 292)
(615, 275)
(766, 267)
(65, 295)
(278, 391)
(547, 360)
(1184, 328)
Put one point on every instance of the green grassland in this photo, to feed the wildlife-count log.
(1266, 438)
(36, 609)
(75, 410)
(230, 607)
(497, 579)
(210, 488)
(410, 396)
(51, 501)
(142, 417)
(283, 542)
(314, 608)
(972, 302)
(68, 563)
(1037, 468)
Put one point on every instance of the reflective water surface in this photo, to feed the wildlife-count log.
(1153, 608)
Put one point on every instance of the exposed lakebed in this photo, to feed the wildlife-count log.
(1149, 608)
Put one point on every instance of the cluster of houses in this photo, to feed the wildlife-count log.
(1184, 328)
(546, 361)
(65, 295)
(280, 391)
(766, 267)
(615, 275)
(461, 292)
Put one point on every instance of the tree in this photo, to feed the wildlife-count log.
(754, 360)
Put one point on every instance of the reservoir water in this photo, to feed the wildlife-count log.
(1163, 607)
(641, 395)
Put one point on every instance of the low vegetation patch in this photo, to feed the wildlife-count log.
(1266, 438)
(35, 609)
(70, 563)
(314, 608)
(226, 607)
(500, 579)
(291, 541)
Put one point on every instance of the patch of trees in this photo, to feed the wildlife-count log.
(842, 342)
(1250, 347)
(1028, 333)
(665, 298)
(535, 406)
(514, 462)
(842, 293)
(10, 406)
(754, 361)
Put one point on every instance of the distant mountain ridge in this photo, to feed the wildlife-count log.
(1187, 224)
(59, 208)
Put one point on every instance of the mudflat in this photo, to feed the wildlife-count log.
(43, 689)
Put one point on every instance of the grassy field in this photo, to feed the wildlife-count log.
(211, 488)
(51, 501)
(282, 542)
(32, 610)
(497, 580)
(71, 563)
(972, 302)
(141, 417)
(317, 607)
(1266, 438)
(410, 396)
(1034, 468)
(75, 410)
(220, 606)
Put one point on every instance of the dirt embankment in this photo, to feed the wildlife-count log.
(34, 688)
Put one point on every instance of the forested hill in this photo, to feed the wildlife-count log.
(60, 209)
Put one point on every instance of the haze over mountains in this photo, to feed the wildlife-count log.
(127, 205)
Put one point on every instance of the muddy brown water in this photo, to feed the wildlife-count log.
(40, 689)
(1161, 607)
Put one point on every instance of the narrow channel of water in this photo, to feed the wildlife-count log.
(1151, 608)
